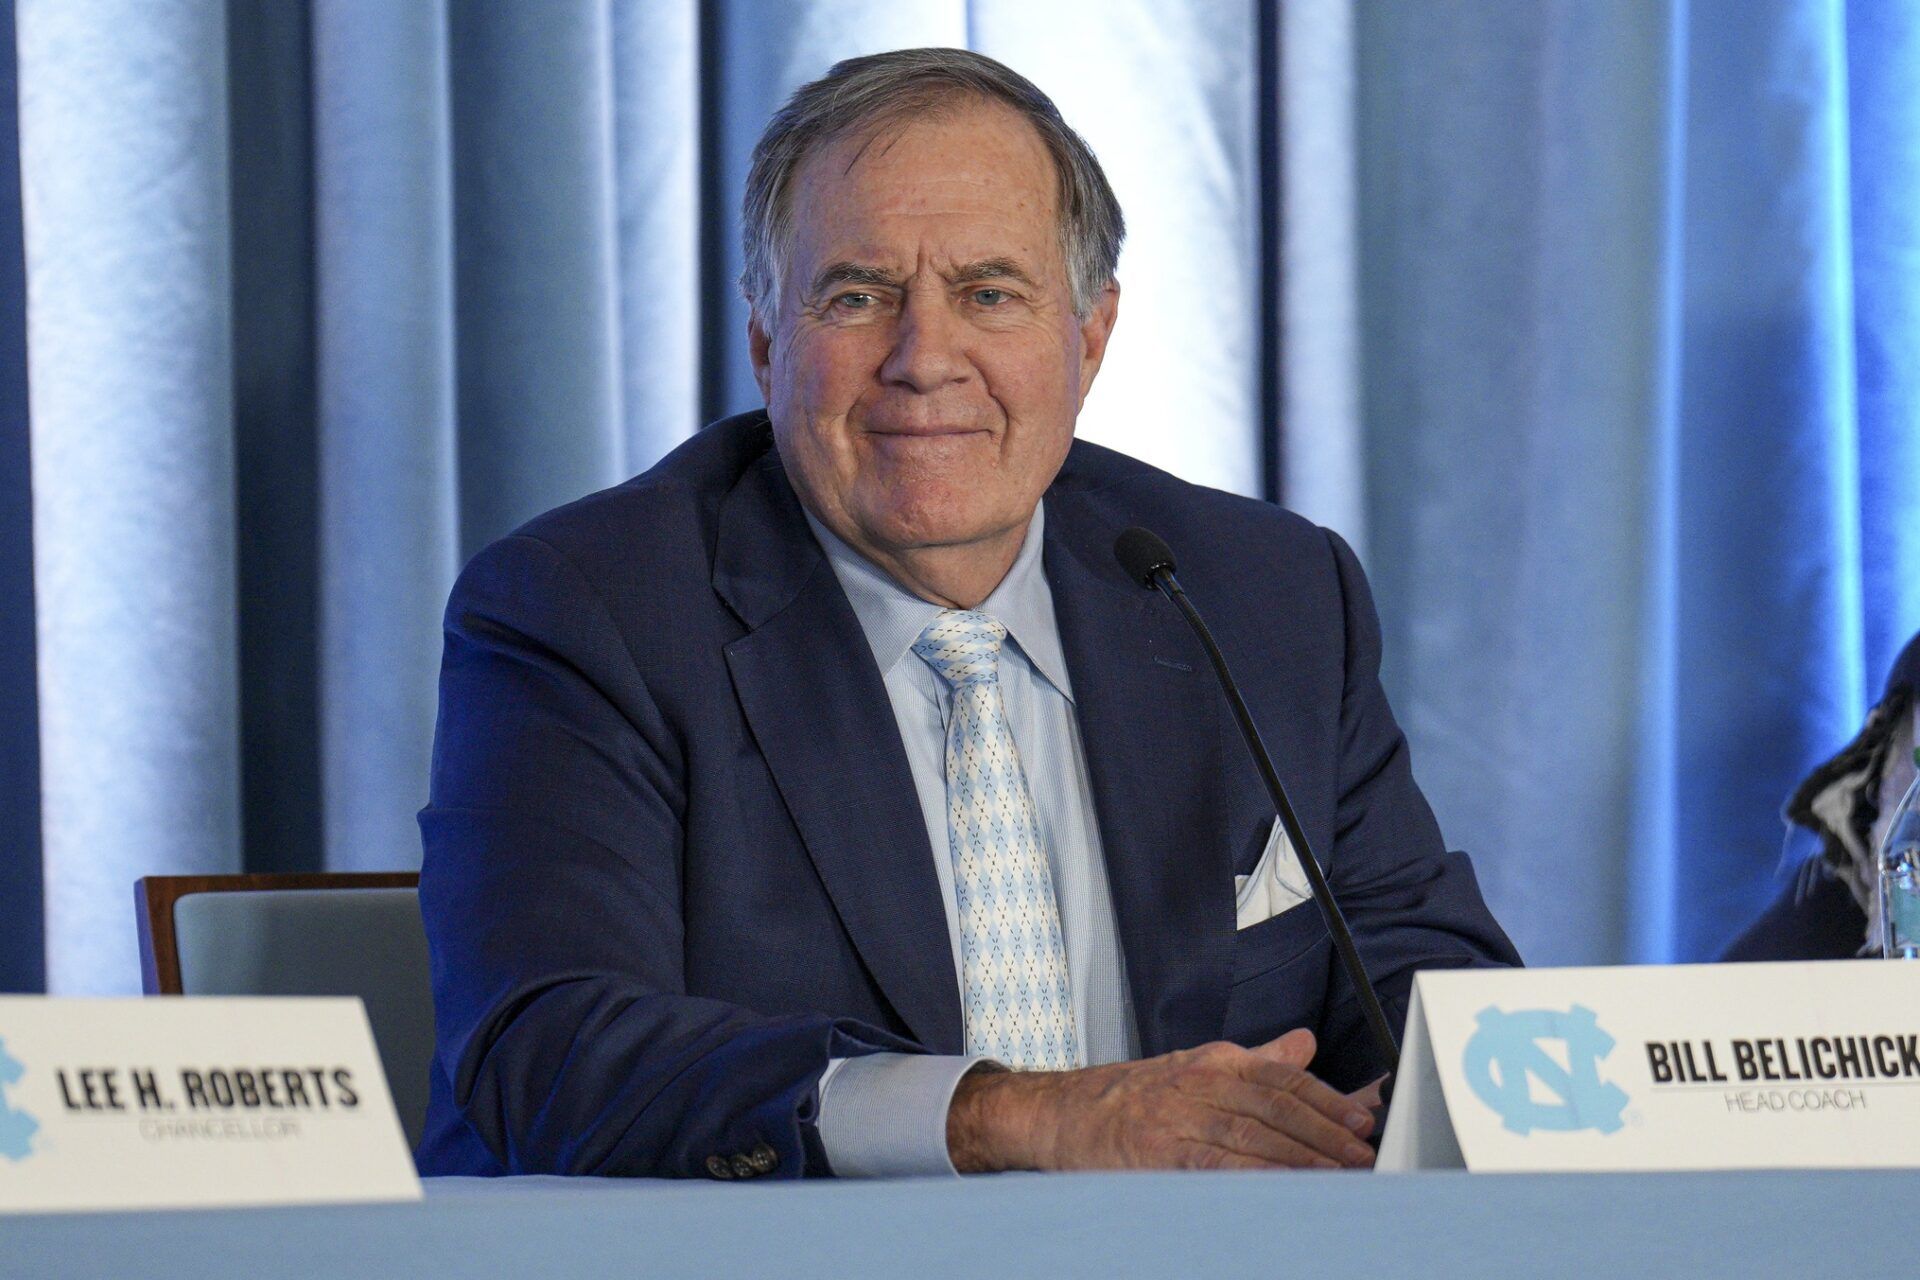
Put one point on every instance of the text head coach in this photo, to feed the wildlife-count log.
(785, 793)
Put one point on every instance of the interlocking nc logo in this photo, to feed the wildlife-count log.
(1504, 1062)
(16, 1127)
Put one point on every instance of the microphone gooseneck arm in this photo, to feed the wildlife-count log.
(1158, 572)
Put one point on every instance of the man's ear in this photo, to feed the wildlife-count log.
(760, 353)
(1094, 332)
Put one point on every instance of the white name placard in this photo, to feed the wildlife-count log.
(1741, 1066)
(191, 1102)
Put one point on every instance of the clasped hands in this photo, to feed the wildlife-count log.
(1219, 1106)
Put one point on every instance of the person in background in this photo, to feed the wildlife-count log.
(1831, 910)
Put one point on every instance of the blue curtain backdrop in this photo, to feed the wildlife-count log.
(1596, 326)
(1639, 288)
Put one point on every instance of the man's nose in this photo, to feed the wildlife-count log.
(929, 345)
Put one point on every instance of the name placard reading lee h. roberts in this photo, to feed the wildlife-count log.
(194, 1102)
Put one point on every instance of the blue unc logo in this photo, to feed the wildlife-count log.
(1504, 1062)
(16, 1127)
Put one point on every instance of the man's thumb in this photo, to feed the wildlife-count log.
(1294, 1049)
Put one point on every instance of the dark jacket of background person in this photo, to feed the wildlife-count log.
(1823, 914)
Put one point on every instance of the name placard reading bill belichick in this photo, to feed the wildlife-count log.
(1744, 1066)
(191, 1102)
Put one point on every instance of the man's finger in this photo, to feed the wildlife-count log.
(1293, 1049)
(1247, 1135)
(1288, 1123)
(1368, 1097)
(1310, 1089)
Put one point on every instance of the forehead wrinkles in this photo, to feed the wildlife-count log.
(832, 165)
(995, 162)
(876, 139)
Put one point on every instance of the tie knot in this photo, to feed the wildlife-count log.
(963, 646)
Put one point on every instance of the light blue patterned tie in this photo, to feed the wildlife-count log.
(1014, 964)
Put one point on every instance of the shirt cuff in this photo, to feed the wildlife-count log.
(884, 1115)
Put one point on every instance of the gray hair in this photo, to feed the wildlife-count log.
(885, 87)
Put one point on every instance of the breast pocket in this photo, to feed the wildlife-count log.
(1261, 948)
(1279, 976)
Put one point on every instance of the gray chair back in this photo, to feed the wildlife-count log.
(299, 936)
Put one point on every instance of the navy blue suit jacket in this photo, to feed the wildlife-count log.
(675, 861)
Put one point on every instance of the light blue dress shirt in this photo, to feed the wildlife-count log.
(886, 1114)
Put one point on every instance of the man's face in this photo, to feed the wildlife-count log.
(926, 367)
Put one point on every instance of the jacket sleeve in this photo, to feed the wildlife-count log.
(551, 893)
(1410, 903)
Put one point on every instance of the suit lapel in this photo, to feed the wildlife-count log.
(820, 714)
(1150, 723)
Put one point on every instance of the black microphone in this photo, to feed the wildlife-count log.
(1149, 562)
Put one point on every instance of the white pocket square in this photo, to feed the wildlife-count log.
(1277, 883)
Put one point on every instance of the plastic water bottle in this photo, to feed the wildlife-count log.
(1900, 878)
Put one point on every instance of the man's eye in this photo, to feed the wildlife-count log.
(990, 297)
(854, 301)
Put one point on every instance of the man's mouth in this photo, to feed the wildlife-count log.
(930, 431)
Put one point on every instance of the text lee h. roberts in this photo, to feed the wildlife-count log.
(96, 1090)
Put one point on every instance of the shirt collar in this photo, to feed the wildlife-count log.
(894, 617)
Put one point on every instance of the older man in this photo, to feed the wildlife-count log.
(827, 800)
